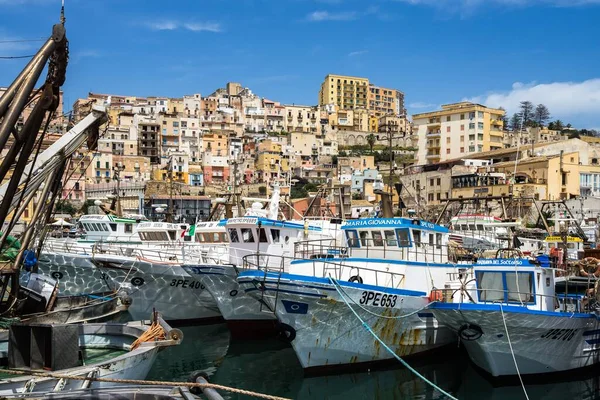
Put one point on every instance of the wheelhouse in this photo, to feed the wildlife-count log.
(555, 245)
(109, 228)
(399, 238)
(161, 232)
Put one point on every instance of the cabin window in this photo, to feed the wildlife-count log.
(215, 237)
(275, 235)
(472, 227)
(86, 227)
(262, 235)
(465, 227)
(128, 228)
(431, 239)
(570, 245)
(438, 240)
(480, 227)
(352, 238)
(247, 236)
(187, 238)
(172, 235)
(390, 238)
(233, 235)
(377, 238)
(223, 237)
(100, 227)
(519, 287)
(403, 237)
(113, 227)
(491, 286)
(364, 238)
(417, 237)
(199, 237)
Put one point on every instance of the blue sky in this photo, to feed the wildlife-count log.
(497, 52)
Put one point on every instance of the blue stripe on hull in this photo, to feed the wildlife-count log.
(506, 309)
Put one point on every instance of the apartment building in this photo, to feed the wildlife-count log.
(384, 101)
(302, 118)
(347, 92)
(456, 131)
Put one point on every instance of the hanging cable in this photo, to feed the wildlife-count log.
(15, 57)
(513, 353)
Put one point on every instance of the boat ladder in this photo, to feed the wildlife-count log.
(264, 307)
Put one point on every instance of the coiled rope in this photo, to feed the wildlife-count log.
(155, 332)
(396, 356)
(153, 383)
(513, 353)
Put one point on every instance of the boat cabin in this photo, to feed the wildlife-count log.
(162, 232)
(108, 228)
(555, 246)
(251, 235)
(397, 238)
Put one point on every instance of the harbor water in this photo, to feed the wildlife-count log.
(271, 367)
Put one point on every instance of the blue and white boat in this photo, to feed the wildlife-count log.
(386, 273)
(515, 317)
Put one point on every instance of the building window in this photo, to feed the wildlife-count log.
(480, 125)
(462, 127)
(448, 118)
(439, 182)
(480, 114)
(448, 129)
(471, 149)
(447, 151)
(431, 182)
(472, 115)
(462, 139)
(480, 136)
(462, 116)
(472, 125)
(472, 137)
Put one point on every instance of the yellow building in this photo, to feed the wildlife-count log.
(347, 92)
(546, 177)
(457, 130)
(270, 161)
(216, 143)
(384, 101)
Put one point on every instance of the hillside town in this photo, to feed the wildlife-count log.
(356, 142)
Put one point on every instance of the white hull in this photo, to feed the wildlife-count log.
(326, 334)
(163, 287)
(542, 342)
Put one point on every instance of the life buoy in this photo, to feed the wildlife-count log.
(436, 295)
(589, 266)
(355, 278)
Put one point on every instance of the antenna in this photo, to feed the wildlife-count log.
(62, 13)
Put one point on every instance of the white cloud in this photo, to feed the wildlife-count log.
(421, 104)
(203, 26)
(575, 102)
(171, 25)
(319, 16)
(357, 53)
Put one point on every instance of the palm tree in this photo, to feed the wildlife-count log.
(371, 141)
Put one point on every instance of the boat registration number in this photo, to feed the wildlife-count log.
(378, 299)
(186, 284)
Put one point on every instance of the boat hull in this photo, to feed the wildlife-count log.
(542, 342)
(327, 336)
(244, 315)
(165, 287)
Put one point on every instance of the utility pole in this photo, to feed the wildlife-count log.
(170, 176)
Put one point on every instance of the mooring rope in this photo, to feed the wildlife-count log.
(379, 315)
(153, 383)
(396, 356)
(513, 353)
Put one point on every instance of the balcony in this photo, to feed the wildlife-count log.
(495, 132)
(434, 133)
(433, 146)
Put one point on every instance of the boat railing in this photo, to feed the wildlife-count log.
(382, 249)
(323, 268)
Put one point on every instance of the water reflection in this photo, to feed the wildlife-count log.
(270, 366)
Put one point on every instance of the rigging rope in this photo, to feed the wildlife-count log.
(513, 353)
(396, 356)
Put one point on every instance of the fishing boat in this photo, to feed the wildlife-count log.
(259, 232)
(385, 276)
(517, 315)
(43, 358)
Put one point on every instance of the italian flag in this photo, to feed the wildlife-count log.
(190, 231)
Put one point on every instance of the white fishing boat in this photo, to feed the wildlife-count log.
(33, 355)
(258, 232)
(388, 272)
(515, 317)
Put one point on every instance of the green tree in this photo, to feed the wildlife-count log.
(527, 112)
(63, 206)
(515, 122)
(504, 119)
(541, 114)
(86, 204)
(558, 125)
(371, 139)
